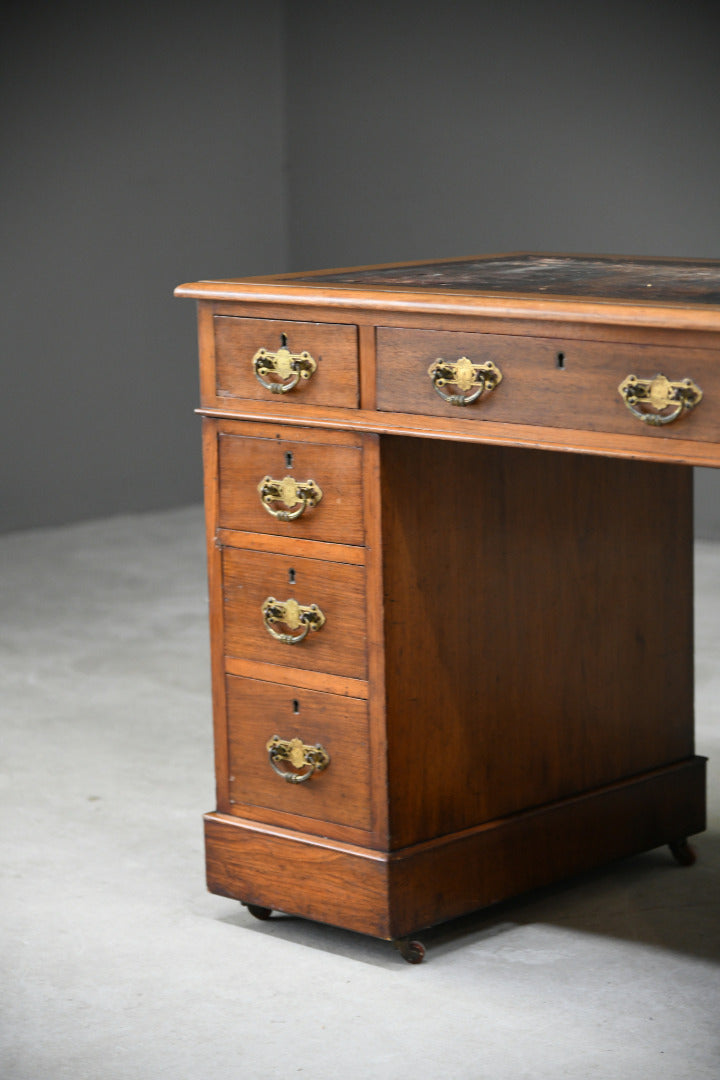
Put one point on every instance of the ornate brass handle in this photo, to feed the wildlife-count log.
(299, 756)
(293, 615)
(647, 399)
(296, 497)
(471, 379)
(287, 367)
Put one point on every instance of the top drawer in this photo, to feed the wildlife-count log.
(549, 382)
(304, 362)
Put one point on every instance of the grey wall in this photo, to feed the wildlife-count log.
(142, 146)
(426, 129)
(437, 129)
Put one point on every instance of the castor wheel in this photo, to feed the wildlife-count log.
(683, 852)
(412, 951)
(261, 913)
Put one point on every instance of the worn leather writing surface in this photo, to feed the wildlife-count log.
(604, 277)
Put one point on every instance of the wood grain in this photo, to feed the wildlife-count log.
(551, 382)
(337, 470)
(307, 678)
(250, 577)
(215, 611)
(339, 794)
(538, 628)
(333, 346)
(456, 875)
(504, 681)
(300, 875)
(390, 895)
(681, 451)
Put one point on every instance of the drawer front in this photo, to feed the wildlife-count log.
(328, 377)
(549, 382)
(337, 787)
(313, 490)
(337, 647)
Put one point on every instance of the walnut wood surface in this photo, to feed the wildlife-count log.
(339, 794)
(341, 685)
(319, 879)
(550, 382)
(337, 470)
(250, 577)
(607, 291)
(434, 882)
(334, 347)
(390, 895)
(505, 675)
(538, 628)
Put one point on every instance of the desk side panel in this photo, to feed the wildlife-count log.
(538, 625)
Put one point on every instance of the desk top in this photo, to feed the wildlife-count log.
(571, 335)
(600, 277)
(601, 288)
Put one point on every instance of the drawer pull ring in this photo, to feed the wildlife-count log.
(288, 368)
(294, 616)
(471, 379)
(299, 756)
(296, 497)
(647, 399)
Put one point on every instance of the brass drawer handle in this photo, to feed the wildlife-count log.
(293, 615)
(296, 497)
(285, 368)
(471, 379)
(297, 754)
(648, 398)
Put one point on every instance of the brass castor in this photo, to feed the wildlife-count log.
(412, 951)
(261, 913)
(683, 852)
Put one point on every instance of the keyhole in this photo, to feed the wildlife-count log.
(296, 706)
(288, 460)
(560, 359)
(283, 341)
(291, 576)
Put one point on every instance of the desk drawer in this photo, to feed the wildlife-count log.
(550, 382)
(337, 788)
(254, 629)
(325, 356)
(311, 489)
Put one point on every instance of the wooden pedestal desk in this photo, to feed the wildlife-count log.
(449, 519)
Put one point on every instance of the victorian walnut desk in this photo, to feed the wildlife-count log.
(449, 523)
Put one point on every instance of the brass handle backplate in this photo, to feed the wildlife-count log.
(472, 380)
(281, 371)
(296, 617)
(299, 756)
(296, 497)
(649, 399)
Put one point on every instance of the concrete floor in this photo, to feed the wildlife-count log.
(117, 965)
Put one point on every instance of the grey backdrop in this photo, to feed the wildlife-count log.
(144, 147)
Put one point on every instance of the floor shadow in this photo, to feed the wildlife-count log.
(647, 900)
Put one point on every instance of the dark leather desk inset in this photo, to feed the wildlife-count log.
(449, 512)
